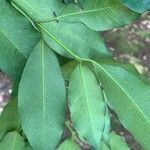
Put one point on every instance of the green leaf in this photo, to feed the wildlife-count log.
(116, 142)
(65, 39)
(12, 61)
(86, 105)
(129, 97)
(12, 141)
(63, 36)
(9, 119)
(68, 68)
(106, 130)
(42, 99)
(38, 10)
(98, 15)
(17, 38)
(137, 5)
(69, 145)
(17, 29)
(104, 146)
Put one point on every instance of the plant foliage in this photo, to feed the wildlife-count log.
(35, 36)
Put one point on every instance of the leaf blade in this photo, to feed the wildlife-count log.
(44, 99)
(69, 145)
(12, 141)
(15, 28)
(9, 119)
(85, 91)
(59, 35)
(119, 84)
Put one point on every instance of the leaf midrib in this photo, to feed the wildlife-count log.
(86, 97)
(43, 89)
(13, 143)
(84, 12)
(15, 3)
(66, 15)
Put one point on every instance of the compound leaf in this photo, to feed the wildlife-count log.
(42, 99)
(63, 36)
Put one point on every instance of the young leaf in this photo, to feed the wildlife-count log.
(69, 145)
(137, 5)
(86, 105)
(12, 141)
(9, 119)
(99, 15)
(129, 97)
(42, 99)
(65, 39)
